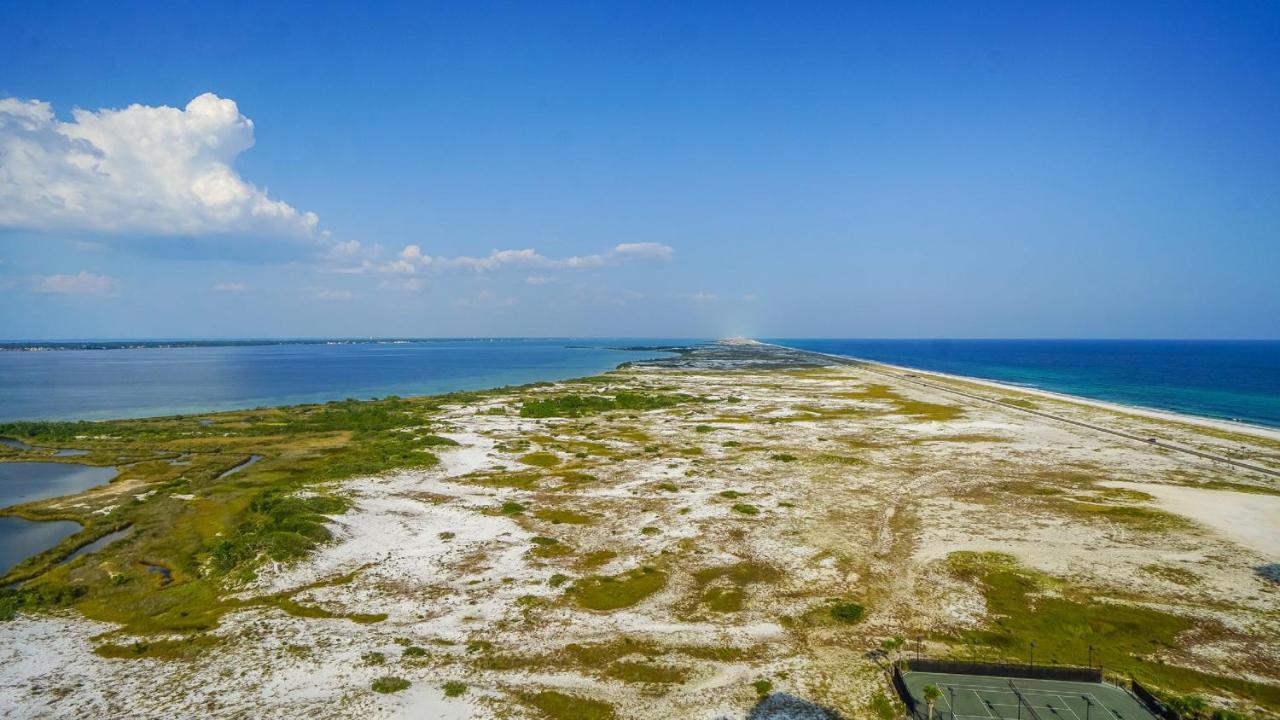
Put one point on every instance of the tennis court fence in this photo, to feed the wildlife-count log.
(1016, 670)
(1153, 703)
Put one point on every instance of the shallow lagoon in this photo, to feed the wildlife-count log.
(24, 482)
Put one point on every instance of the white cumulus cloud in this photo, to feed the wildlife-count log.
(82, 283)
(140, 169)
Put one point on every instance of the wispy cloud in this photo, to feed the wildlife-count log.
(230, 287)
(486, 298)
(407, 284)
(702, 296)
(82, 283)
(412, 260)
(334, 295)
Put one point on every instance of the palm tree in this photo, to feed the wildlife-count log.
(931, 695)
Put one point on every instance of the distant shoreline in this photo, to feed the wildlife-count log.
(1155, 413)
(73, 345)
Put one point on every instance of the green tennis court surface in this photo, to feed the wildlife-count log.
(978, 697)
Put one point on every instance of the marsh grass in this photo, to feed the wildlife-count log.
(232, 523)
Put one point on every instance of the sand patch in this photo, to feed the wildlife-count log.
(1248, 519)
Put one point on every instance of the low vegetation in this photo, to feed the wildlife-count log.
(390, 684)
(1065, 620)
(618, 591)
(199, 510)
(579, 405)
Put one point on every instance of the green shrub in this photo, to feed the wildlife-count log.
(389, 684)
(453, 688)
(746, 509)
(579, 405)
(848, 612)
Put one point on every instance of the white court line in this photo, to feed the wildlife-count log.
(1068, 707)
(993, 690)
(982, 702)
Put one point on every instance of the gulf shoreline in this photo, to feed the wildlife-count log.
(1262, 431)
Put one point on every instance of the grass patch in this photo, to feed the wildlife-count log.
(181, 649)
(645, 672)
(905, 406)
(596, 558)
(1171, 573)
(579, 405)
(607, 593)
(389, 684)
(556, 705)
(847, 612)
(723, 588)
(453, 688)
(566, 517)
(745, 509)
(1138, 518)
(540, 459)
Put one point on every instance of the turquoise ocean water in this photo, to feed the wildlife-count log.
(1228, 380)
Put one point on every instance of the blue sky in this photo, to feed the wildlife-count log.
(665, 169)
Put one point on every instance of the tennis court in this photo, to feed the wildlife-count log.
(977, 697)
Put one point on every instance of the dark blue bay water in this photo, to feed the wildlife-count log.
(1231, 380)
(140, 382)
(24, 482)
